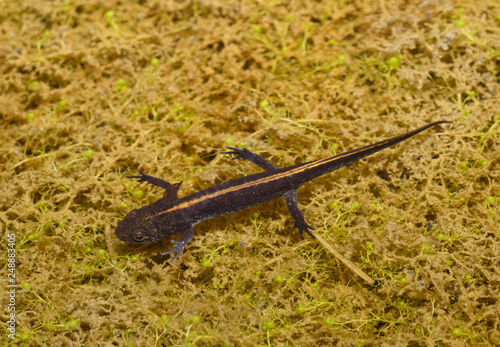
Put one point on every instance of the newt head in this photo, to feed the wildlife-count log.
(139, 227)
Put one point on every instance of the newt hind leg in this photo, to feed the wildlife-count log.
(244, 153)
(298, 218)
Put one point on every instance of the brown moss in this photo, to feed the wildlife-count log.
(88, 96)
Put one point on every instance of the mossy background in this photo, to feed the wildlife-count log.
(92, 90)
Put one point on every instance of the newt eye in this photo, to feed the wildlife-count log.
(138, 238)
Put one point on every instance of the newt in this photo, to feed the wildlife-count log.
(171, 215)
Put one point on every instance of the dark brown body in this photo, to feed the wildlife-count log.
(171, 214)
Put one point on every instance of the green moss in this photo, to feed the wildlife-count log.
(295, 83)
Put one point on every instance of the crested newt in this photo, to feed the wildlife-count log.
(171, 214)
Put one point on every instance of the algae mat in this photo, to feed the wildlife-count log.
(91, 91)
